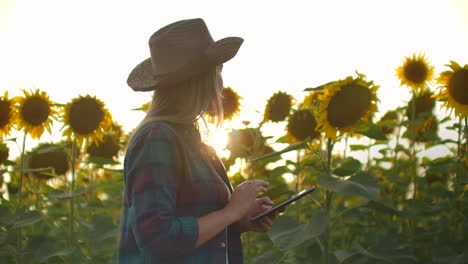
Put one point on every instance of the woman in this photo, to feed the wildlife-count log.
(179, 206)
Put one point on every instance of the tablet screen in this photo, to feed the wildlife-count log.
(284, 203)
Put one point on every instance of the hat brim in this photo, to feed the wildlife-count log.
(142, 78)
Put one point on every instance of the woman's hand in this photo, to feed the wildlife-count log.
(244, 198)
(264, 223)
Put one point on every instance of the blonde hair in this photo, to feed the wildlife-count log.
(187, 102)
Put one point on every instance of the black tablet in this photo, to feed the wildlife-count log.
(296, 197)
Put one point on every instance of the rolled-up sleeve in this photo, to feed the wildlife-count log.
(153, 164)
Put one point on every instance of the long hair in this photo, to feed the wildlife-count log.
(187, 102)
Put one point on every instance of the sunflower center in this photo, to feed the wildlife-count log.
(416, 71)
(458, 86)
(348, 105)
(35, 111)
(4, 113)
(85, 115)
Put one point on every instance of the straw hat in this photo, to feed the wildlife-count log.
(179, 51)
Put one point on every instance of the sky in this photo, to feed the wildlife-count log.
(71, 48)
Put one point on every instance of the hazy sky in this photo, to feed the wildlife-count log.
(71, 48)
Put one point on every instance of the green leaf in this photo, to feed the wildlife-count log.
(389, 255)
(113, 170)
(270, 257)
(6, 216)
(287, 234)
(59, 194)
(296, 146)
(318, 88)
(9, 163)
(379, 206)
(35, 170)
(348, 167)
(279, 171)
(3, 237)
(28, 218)
(370, 130)
(102, 161)
(342, 255)
(8, 250)
(358, 147)
(283, 139)
(361, 184)
(50, 254)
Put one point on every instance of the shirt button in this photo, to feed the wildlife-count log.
(223, 244)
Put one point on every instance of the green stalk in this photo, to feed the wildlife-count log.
(345, 146)
(412, 145)
(397, 142)
(466, 137)
(72, 189)
(328, 200)
(22, 169)
(459, 153)
(20, 230)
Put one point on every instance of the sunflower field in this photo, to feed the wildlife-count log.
(378, 198)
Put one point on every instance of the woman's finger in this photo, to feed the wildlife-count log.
(265, 200)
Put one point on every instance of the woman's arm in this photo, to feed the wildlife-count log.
(242, 200)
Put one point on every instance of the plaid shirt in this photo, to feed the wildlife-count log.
(168, 185)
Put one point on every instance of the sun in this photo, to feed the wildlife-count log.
(218, 139)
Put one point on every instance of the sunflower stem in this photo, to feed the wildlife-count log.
(345, 146)
(412, 145)
(459, 154)
(72, 189)
(466, 138)
(298, 180)
(22, 169)
(328, 204)
(397, 143)
(20, 230)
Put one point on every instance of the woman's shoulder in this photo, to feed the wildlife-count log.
(153, 131)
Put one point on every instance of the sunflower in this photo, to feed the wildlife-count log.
(424, 131)
(49, 155)
(245, 142)
(231, 105)
(344, 103)
(86, 119)
(278, 107)
(415, 72)
(310, 100)
(454, 89)
(302, 124)
(35, 112)
(110, 146)
(8, 116)
(388, 122)
(4, 151)
(424, 104)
